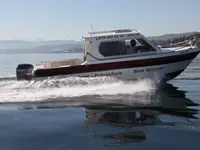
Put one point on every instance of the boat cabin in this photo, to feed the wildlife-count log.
(104, 45)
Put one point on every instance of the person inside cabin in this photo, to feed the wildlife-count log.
(131, 48)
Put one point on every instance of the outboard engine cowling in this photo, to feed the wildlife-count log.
(24, 71)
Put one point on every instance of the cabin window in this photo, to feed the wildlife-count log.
(112, 48)
(88, 45)
(129, 46)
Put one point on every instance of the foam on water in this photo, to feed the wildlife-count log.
(24, 91)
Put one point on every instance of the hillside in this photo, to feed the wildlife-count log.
(10, 46)
(192, 37)
(171, 36)
(70, 46)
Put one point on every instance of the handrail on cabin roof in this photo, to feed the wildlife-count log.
(116, 31)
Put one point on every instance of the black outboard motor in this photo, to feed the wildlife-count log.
(24, 71)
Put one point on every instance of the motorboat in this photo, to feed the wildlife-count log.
(124, 53)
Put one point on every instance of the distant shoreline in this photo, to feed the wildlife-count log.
(70, 46)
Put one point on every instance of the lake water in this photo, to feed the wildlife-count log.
(97, 113)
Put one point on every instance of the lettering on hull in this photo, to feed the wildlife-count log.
(102, 74)
(148, 69)
(120, 73)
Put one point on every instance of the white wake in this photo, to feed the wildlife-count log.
(24, 91)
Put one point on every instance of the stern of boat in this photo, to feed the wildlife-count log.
(27, 71)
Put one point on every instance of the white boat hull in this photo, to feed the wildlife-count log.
(158, 72)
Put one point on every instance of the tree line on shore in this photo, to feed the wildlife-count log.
(193, 39)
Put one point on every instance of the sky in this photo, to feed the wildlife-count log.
(72, 19)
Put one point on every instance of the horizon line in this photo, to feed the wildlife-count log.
(75, 40)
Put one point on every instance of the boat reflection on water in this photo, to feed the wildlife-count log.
(170, 101)
(127, 116)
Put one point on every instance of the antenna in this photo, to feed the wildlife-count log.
(91, 27)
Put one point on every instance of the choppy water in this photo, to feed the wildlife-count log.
(97, 113)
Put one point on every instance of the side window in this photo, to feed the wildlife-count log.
(112, 48)
(126, 47)
(137, 45)
(88, 45)
(144, 46)
(87, 48)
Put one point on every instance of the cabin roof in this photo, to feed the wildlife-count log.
(112, 33)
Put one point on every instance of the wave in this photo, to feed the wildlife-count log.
(13, 91)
